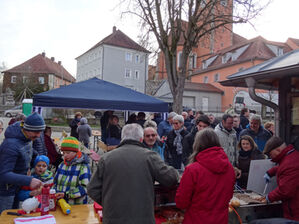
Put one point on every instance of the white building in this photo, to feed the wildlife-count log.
(117, 59)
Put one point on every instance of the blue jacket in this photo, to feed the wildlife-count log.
(39, 145)
(260, 138)
(164, 128)
(15, 157)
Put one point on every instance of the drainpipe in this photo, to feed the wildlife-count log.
(250, 82)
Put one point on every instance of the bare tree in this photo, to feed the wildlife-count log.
(187, 22)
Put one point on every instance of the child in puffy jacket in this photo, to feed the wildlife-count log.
(73, 174)
(41, 172)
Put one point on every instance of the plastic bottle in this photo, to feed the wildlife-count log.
(52, 200)
(65, 207)
(45, 201)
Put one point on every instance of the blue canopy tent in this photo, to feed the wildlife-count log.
(98, 94)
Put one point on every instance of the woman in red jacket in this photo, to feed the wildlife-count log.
(207, 183)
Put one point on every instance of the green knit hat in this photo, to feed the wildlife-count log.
(70, 144)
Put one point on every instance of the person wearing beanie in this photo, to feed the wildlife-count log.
(287, 173)
(74, 124)
(73, 174)
(15, 157)
(41, 172)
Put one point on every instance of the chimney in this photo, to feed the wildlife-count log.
(44, 54)
(52, 59)
(114, 29)
(59, 62)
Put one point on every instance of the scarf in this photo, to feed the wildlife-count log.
(243, 153)
(45, 177)
(178, 141)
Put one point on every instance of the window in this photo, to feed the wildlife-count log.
(137, 74)
(192, 61)
(137, 58)
(128, 56)
(216, 77)
(128, 73)
(205, 79)
(203, 3)
(13, 79)
(25, 79)
(41, 80)
(223, 2)
(180, 59)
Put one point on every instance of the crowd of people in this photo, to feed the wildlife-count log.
(211, 155)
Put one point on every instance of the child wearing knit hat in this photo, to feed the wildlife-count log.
(73, 174)
(41, 172)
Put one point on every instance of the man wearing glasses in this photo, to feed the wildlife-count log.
(152, 141)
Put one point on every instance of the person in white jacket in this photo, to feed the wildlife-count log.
(228, 137)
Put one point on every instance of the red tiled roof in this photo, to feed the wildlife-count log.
(119, 39)
(295, 41)
(237, 39)
(42, 65)
(204, 87)
(257, 49)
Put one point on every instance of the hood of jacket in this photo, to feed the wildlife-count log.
(15, 131)
(221, 128)
(214, 159)
(83, 159)
(83, 120)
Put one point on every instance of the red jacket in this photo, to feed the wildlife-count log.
(52, 153)
(206, 188)
(287, 189)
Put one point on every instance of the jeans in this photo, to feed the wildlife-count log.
(6, 202)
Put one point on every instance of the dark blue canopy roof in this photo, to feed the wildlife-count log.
(98, 94)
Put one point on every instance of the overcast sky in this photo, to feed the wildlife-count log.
(65, 29)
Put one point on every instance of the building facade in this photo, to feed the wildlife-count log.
(39, 70)
(117, 59)
(238, 57)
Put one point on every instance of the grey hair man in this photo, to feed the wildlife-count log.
(127, 174)
(165, 126)
(257, 131)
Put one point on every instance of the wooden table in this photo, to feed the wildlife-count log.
(79, 214)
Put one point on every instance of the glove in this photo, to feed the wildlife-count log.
(267, 199)
(267, 177)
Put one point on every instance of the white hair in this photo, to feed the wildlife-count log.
(150, 123)
(132, 131)
(150, 128)
(256, 117)
(179, 118)
(1, 122)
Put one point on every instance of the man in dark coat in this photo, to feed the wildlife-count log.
(257, 132)
(15, 157)
(202, 122)
(244, 117)
(74, 124)
(124, 180)
(287, 173)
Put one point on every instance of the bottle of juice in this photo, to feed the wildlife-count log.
(45, 201)
(52, 200)
(65, 207)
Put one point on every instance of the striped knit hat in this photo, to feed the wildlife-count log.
(34, 122)
(70, 144)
